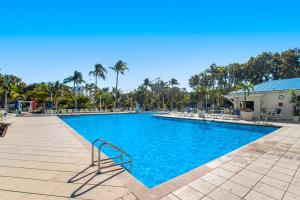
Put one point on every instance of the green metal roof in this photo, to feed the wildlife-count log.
(277, 85)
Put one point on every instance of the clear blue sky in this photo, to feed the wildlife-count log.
(48, 40)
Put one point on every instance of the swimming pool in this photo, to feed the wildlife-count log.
(163, 148)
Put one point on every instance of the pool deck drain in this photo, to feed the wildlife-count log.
(42, 158)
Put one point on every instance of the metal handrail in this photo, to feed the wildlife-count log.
(115, 164)
(103, 143)
(93, 148)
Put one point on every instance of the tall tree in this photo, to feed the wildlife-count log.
(291, 63)
(56, 89)
(246, 89)
(120, 68)
(77, 79)
(201, 92)
(98, 72)
(146, 83)
(173, 82)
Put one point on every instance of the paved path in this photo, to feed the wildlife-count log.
(41, 159)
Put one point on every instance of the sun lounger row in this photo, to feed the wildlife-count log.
(88, 111)
(206, 115)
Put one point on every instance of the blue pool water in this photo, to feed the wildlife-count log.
(163, 148)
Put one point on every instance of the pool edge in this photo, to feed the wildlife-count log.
(143, 192)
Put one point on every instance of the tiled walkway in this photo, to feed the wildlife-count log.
(41, 159)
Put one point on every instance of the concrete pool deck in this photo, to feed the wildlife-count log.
(41, 158)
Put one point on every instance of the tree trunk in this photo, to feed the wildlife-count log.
(172, 98)
(96, 82)
(75, 96)
(245, 99)
(117, 80)
(56, 105)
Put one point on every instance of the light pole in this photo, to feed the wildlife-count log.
(5, 102)
(206, 97)
(100, 103)
(51, 104)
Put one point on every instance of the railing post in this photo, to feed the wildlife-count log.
(99, 161)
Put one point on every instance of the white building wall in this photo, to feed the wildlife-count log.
(269, 101)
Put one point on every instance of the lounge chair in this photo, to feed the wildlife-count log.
(218, 115)
(201, 114)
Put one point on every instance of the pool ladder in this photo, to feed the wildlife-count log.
(102, 161)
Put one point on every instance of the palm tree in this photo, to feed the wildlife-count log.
(88, 89)
(173, 82)
(77, 79)
(247, 89)
(98, 72)
(201, 91)
(56, 89)
(120, 68)
(146, 83)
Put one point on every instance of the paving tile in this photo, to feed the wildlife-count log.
(263, 163)
(219, 194)
(294, 189)
(275, 183)
(296, 181)
(250, 174)
(129, 196)
(248, 182)
(290, 196)
(11, 195)
(235, 188)
(284, 170)
(257, 169)
(269, 190)
(279, 176)
(253, 195)
(232, 168)
(188, 193)
(239, 162)
(47, 187)
(214, 179)
(223, 172)
(286, 165)
(297, 174)
(202, 186)
(206, 198)
(164, 198)
(170, 197)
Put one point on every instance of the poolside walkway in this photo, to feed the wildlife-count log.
(41, 159)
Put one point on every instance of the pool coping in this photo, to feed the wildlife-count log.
(143, 192)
